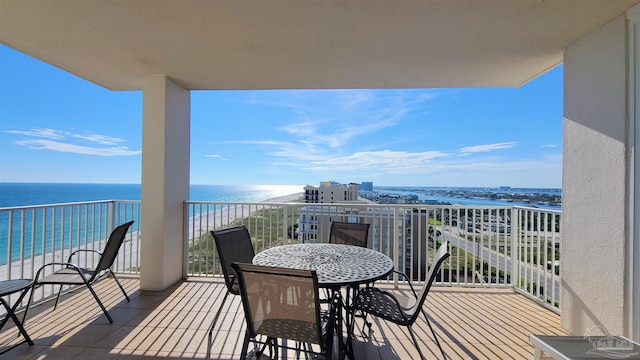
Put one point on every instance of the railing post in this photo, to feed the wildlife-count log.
(10, 244)
(394, 252)
(515, 248)
(111, 216)
(185, 237)
(285, 224)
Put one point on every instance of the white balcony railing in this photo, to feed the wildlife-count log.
(490, 246)
(31, 236)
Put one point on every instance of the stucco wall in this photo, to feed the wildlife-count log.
(594, 178)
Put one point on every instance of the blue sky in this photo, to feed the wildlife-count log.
(56, 127)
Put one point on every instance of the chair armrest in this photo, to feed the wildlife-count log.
(83, 250)
(389, 295)
(67, 265)
(407, 280)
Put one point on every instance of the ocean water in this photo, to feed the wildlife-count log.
(24, 194)
(91, 222)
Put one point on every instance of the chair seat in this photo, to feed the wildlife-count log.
(406, 303)
(381, 304)
(289, 329)
(67, 276)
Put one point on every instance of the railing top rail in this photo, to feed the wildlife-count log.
(359, 205)
(192, 202)
(28, 207)
(553, 211)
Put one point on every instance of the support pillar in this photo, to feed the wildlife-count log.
(165, 181)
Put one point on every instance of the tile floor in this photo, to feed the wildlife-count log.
(472, 323)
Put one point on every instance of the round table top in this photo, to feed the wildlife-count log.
(10, 286)
(335, 265)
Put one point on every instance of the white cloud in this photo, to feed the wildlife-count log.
(68, 142)
(397, 162)
(77, 149)
(405, 163)
(488, 147)
(215, 156)
(548, 146)
(39, 132)
(344, 115)
(100, 139)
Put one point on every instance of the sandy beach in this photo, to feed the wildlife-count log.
(216, 219)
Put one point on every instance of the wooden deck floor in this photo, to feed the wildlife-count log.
(472, 323)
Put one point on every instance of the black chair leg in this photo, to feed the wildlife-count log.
(57, 297)
(33, 289)
(444, 356)
(120, 285)
(213, 324)
(245, 347)
(415, 342)
(104, 310)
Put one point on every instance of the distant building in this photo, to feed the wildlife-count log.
(331, 192)
(366, 186)
(314, 223)
(420, 237)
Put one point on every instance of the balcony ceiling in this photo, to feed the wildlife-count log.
(282, 44)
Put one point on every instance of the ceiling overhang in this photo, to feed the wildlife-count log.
(294, 44)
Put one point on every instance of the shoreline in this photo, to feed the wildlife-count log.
(220, 218)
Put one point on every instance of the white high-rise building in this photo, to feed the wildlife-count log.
(331, 192)
(315, 221)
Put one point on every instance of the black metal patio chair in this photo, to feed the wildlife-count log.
(283, 303)
(403, 310)
(233, 245)
(356, 234)
(74, 275)
(350, 233)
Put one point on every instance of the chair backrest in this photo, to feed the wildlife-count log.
(348, 233)
(233, 245)
(111, 249)
(281, 303)
(441, 255)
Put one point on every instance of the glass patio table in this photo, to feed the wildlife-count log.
(336, 266)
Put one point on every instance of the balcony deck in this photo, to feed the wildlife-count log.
(472, 323)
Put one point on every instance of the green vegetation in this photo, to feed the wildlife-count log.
(266, 226)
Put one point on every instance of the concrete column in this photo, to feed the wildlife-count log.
(633, 244)
(595, 181)
(165, 181)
